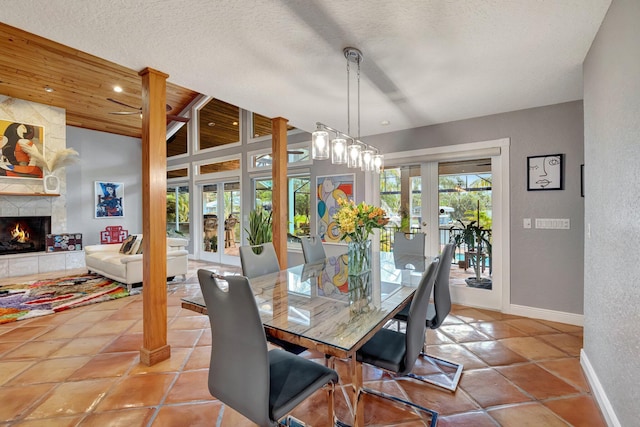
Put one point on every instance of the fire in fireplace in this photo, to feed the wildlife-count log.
(20, 234)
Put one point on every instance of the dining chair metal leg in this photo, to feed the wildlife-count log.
(449, 369)
(394, 399)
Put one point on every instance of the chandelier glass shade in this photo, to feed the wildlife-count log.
(355, 154)
(339, 151)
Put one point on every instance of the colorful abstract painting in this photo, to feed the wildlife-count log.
(329, 189)
(14, 160)
(109, 199)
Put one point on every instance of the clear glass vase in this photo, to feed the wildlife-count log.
(359, 268)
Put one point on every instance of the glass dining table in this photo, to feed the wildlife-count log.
(309, 304)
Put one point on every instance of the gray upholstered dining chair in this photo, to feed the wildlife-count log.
(266, 262)
(396, 351)
(254, 265)
(436, 313)
(260, 384)
(312, 249)
(406, 246)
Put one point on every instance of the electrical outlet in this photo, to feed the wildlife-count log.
(526, 223)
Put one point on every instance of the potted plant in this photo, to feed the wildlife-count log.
(477, 239)
(259, 230)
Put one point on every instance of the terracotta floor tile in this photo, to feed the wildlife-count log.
(120, 418)
(568, 343)
(463, 333)
(127, 313)
(456, 353)
(137, 391)
(111, 327)
(563, 327)
(436, 399)
(205, 338)
(6, 347)
(526, 415)
(314, 409)
(196, 415)
(68, 331)
(190, 322)
(36, 349)
(536, 381)
(199, 358)
(126, 342)
(71, 421)
(172, 364)
(51, 370)
(90, 317)
(468, 419)
(580, 411)
(531, 326)
(190, 386)
(489, 388)
(229, 418)
(11, 368)
(437, 337)
(499, 329)
(83, 346)
(108, 365)
(532, 348)
(380, 411)
(569, 370)
(22, 334)
(183, 338)
(72, 398)
(16, 400)
(494, 353)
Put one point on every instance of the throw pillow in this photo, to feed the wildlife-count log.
(127, 243)
(137, 246)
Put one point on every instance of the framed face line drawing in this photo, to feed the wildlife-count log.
(545, 172)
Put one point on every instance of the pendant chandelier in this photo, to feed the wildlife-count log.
(343, 148)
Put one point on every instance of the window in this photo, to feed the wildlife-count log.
(178, 173)
(218, 124)
(299, 192)
(177, 143)
(227, 165)
(261, 126)
(297, 155)
(178, 211)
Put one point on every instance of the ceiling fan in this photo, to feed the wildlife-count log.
(138, 110)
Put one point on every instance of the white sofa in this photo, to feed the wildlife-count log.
(107, 261)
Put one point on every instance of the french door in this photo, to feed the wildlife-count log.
(434, 195)
(221, 222)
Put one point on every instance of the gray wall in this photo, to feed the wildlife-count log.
(612, 207)
(546, 265)
(103, 157)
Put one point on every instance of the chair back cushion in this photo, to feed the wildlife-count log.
(405, 246)
(239, 367)
(441, 293)
(312, 249)
(254, 265)
(416, 326)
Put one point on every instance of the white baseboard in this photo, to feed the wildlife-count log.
(544, 314)
(598, 392)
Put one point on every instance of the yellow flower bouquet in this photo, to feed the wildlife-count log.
(356, 222)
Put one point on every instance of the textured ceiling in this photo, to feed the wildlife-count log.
(425, 61)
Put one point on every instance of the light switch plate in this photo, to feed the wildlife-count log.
(553, 223)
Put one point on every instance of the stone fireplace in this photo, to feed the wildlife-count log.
(23, 234)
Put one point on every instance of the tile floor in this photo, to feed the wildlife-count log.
(81, 368)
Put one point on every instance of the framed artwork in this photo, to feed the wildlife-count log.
(15, 141)
(545, 172)
(109, 199)
(328, 190)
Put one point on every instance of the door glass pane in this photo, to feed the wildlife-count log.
(400, 197)
(465, 218)
(178, 212)
(210, 217)
(231, 215)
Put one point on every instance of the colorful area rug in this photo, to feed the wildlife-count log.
(38, 298)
